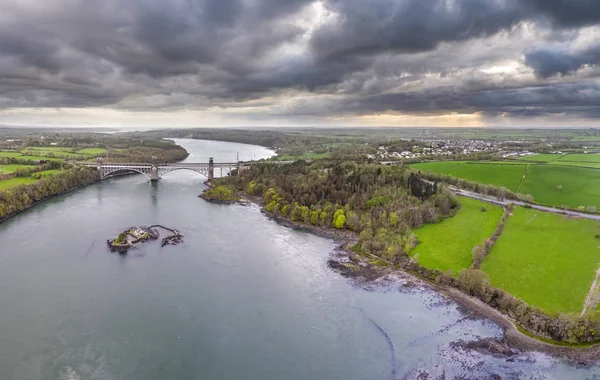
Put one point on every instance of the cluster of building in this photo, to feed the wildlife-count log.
(431, 147)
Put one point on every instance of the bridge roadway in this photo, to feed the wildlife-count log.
(155, 171)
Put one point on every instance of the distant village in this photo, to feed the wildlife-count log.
(422, 148)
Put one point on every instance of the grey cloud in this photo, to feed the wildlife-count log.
(411, 56)
(548, 62)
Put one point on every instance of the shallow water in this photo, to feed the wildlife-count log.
(240, 298)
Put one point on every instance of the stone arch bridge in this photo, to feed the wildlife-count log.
(155, 171)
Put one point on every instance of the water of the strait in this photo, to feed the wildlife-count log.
(241, 298)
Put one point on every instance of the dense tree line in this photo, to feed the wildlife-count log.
(382, 204)
(21, 197)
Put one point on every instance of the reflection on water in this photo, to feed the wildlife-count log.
(240, 298)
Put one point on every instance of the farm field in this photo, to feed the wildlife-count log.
(448, 244)
(5, 184)
(541, 157)
(580, 186)
(595, 165)
(11, 168)
(51, 152)
(92, 151)
(45, 173)
(9, 153)
(581, 158)
(547, 260)
(498, 174)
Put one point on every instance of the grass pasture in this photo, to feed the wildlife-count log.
(498, 174)
(13, 167)
(541, 157)
(5, 184)
(45, 173)
(547, 260)
(92, 151)
(580, 186)
(9, 153)
(591, 157)
(50, 152)
(448, 244)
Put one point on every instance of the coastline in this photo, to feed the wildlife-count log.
(49, 197)
(357, 267)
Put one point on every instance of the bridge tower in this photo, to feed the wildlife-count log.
(211, 169)
(99, 165)
(154, 170)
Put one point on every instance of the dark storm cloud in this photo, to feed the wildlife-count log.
(548, 62)
(370, 56)
(367, 27)
(569, 98)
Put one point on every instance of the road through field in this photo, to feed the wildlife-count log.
(505, 202)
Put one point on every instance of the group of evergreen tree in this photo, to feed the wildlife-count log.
(381, 203)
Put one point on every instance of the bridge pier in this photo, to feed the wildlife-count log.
(211, 169)
(154, 173)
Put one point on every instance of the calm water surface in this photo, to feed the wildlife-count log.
(241, 298)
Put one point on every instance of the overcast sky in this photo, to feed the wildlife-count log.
(176, 63)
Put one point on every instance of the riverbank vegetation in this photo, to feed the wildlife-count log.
(22, 196)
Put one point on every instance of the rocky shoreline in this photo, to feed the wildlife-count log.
(367, 269)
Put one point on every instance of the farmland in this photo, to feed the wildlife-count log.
(555, 183)
(448, 244)
(541, 157)
(559, 185)
(547, 260)
(581, 158)
(12, 168)
(92, 151)
(7, 183)
(498, 174)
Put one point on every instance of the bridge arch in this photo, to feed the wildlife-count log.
(202, 171)
(123, 171)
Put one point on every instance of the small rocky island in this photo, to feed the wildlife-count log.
(132, 236)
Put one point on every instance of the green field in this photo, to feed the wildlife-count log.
(581, 158)
(547, 260)
(498, 174)
(580, 186)
(595, 165)
(305, 156)
(448, 244)
(50, 151)
(5, 184)
(13, 167)
(45, 173)
(9, 153)
(541, 157)
(92, 151)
